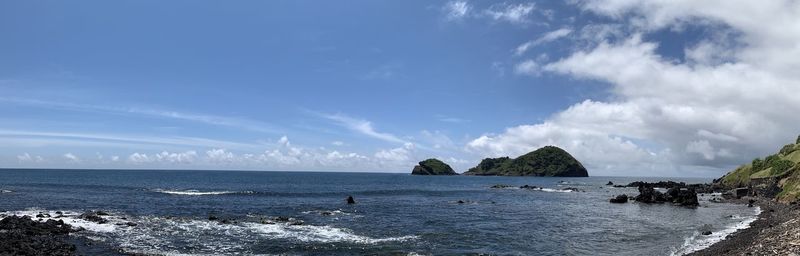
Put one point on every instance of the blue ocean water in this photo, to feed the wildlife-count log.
(396, 214)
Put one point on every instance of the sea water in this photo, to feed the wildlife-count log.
(397, 214)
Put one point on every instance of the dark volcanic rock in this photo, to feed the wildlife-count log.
(433, 167)
(620, 199)
(502, 186)
(610, 183)
(548, 161)
(699, 188)
(93, 217)
(683, 196)
(350, 200)
(23, 236)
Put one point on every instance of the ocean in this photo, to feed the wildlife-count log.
(394, 214)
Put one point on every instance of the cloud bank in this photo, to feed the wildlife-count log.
(721, 105)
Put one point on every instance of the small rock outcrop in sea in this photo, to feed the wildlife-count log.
(620, 199)
(94, 217)
(610, 183)
(699, 188)
(433, 167)
(503, 186)
(24, 236)
(682, 196)
(350, 200)
(548, 161)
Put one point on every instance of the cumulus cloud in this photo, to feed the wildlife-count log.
(527, 67)
(187, 157)
(721, 106)
(72, 158)
(395, 156)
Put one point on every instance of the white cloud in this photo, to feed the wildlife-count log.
(337, 143)
(547, 37)
(221, 155)
(528, 67)
(724, 105)
(513, 13)
(364, 127)
(72, 158)
(28, 158)
(456, 10)
(187, 157)
(395, 155)
(242, 123)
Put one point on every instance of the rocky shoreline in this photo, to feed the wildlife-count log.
(775, 232)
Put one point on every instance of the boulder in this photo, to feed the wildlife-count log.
(610, 183)
(350, 200)
(93, 217)
(620, 199)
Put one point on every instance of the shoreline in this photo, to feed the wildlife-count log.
(776, 231)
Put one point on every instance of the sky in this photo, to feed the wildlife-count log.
(630, 88)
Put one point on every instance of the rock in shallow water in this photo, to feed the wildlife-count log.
(620, 199)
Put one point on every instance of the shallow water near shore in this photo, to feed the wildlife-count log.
(394, 214)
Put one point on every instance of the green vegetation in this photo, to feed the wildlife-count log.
(433, 167)
(780, 167)
(547, 161)
(788, 148)
(738, 177)
(791, 186)
(785, 166)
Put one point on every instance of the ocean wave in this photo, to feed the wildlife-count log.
(697, 241)
(320, 234)
(171, 235)
(193, 192)
(5, 191)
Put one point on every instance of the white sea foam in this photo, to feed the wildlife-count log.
(5, 191)
(192, 192)
(552, 190)
(71, 218)
(321, 234)
(697, 241)
(169, 236)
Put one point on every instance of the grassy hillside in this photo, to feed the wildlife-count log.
(784, 164)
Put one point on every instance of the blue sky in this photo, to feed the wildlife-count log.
(373, 85)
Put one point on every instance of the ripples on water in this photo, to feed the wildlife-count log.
(394, 214)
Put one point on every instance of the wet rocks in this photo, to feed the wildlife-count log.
(699, 188)
(24, 236)
(350, 200)
(677, 195)
(502, 186)
(620, 199)
(707, 233)
(572, 189)
(93, 217)
(610, 183)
